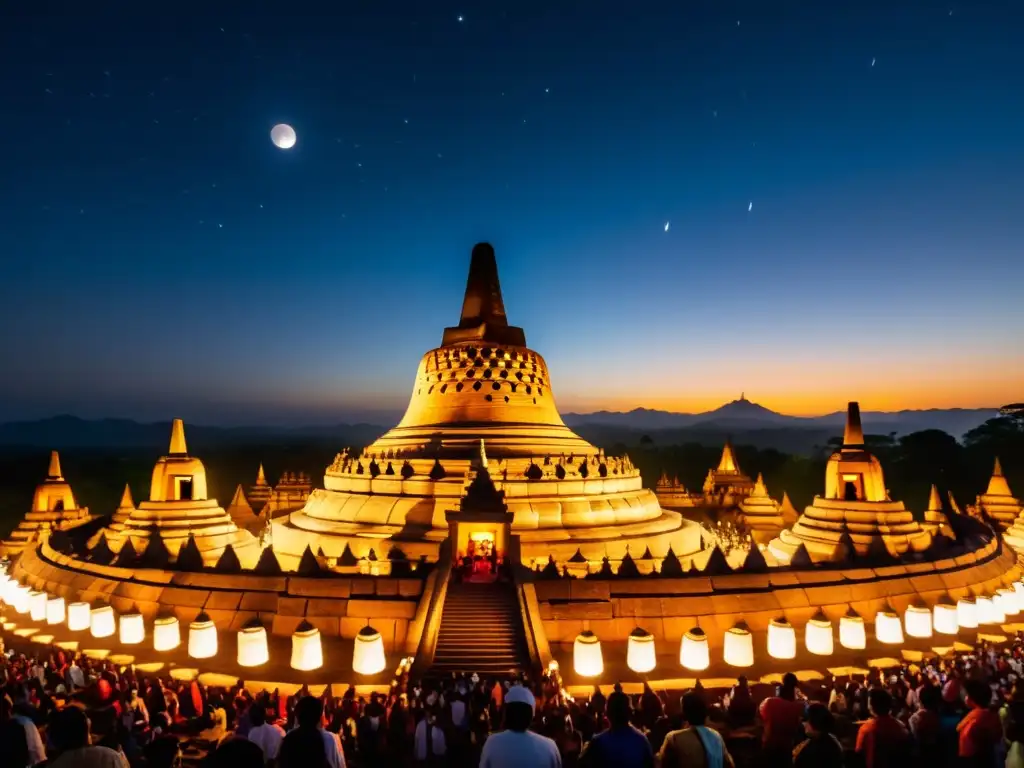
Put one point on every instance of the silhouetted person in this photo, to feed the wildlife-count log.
(695, 745)
(236, 752)
(820, 749)
(68, 732)
(622, 745)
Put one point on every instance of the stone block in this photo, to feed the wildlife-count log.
(363, 587)
(329, 626)
(222, 619)
(410, 587)
(386, 587)
(391, 609)
(326, 607)
(240, 618)
(193, 598)
(581, 589)
(285, 625)
(224, 601)
(291, 606)
(326, 587)
(552, 590)
(258, 602)
(582, 611)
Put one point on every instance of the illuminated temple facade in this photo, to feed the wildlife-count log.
(482, 534)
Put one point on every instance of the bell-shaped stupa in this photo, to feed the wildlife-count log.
(998, 502)
(483, 384)
(760, 514)
(855, 502)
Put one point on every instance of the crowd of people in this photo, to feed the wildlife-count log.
(61, 709)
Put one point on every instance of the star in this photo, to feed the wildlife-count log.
(460, 18)
(667, 225)
(872, 61)
(750, 206)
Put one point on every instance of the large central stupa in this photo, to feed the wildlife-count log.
(483, 385)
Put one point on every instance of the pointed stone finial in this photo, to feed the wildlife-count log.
(853, 435)
(934, 500)
(126, 499)
(997, 470)
(728, 462)
(54, 472)
(759, 488)
(261, 478)
(483, 454)
(483, 310)
(178, 446)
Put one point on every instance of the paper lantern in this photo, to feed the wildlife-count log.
(307, 650)
(987, 612)
(738, 650)
(693, 651)
(20, 603)
(252, 645)
(55, 613)
(368, 652)
(852, 633)
(781, 639)
(10, 591)
(918, 621)
(167, 633)
(37, 606)
(78, 617)
(202, 638)
(101, 621)
(945, 617)
(888, 628)
(818, 636)
(586, 655)
(132, 628)
(1006, 600)
(1018, 590)
(640, 651)
(966, 613)
(4, 581)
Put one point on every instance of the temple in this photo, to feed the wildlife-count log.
(53, 509)
(855, 505)
(260, 491)
(761, 515)
(998, 503)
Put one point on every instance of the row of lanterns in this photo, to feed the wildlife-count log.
(307, 650)
(944, 618)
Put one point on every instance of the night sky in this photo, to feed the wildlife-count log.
(810, 202)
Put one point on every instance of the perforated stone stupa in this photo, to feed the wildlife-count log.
(483, 384)
(53, 508)
(856, 502)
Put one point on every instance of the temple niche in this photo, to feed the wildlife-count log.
(855, 505)
(53, 509)
(178, 507)
(483, 384)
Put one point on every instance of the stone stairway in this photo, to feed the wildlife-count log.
(481, 631)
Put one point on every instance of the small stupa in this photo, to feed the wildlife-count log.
(727, 485)
(259, 493)
(53, 509)
(760, 514)
(935, 519)
(998, 502)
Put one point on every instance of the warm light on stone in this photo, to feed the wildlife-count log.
(781, 639)
(102, 621)
(167, 633)
(818, 636)
(738, 650)
(967, 613)
(945, 618)
(307, 650)
(202, 638)
(252, 645)
(918, 621)
(55, 613)
(888, 628)
(132, 628)
(37, 606)
(640, 651)
(368, 653)
(586, 655)
(79, 617)
(852, 633)
(693, 651)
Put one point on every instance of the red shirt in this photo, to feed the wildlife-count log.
(879, 735)
(783, 721)
(979, 731)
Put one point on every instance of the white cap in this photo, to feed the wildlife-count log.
(517, 694)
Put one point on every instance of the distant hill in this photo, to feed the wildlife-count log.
(744, 415)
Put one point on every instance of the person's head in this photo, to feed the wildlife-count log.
(741, 682)
(931, 698)
(69, 729)
(695, 711)
(788, 688)
(308, 712)
(14, 744)
(302, 748)
(979, 695)
(620, 709)
(519, 705)
(818, 719)
(162, 752)
(236, 752)
(879, 702)
(257, 715)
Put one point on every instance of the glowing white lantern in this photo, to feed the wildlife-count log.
(78, 617)
(781, 639)
(852, 633)
(10, 591)
(818, 636)
(888, 628)
(4, 581)
(20, 603)
(37, 606)
(640, 651)
(307, 650)
(586, 655)
(1018, 590)
(167, 633)
(987, 612)
(1006, 600)
(693, 651)
(738, 650)
(202, 638)
(252, 645)
(132, 628)
(945, 617)
(918, 621)
(368, 652)
(55, 613)
(966, 613)
(101, 621)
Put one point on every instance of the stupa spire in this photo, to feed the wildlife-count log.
(853, 435)
(483, 310)
(261, 477)
(728, 462)
(997, 470)
(759, 487)
(54, 473)
(126, 499)
(934, 500)
(178, 446)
